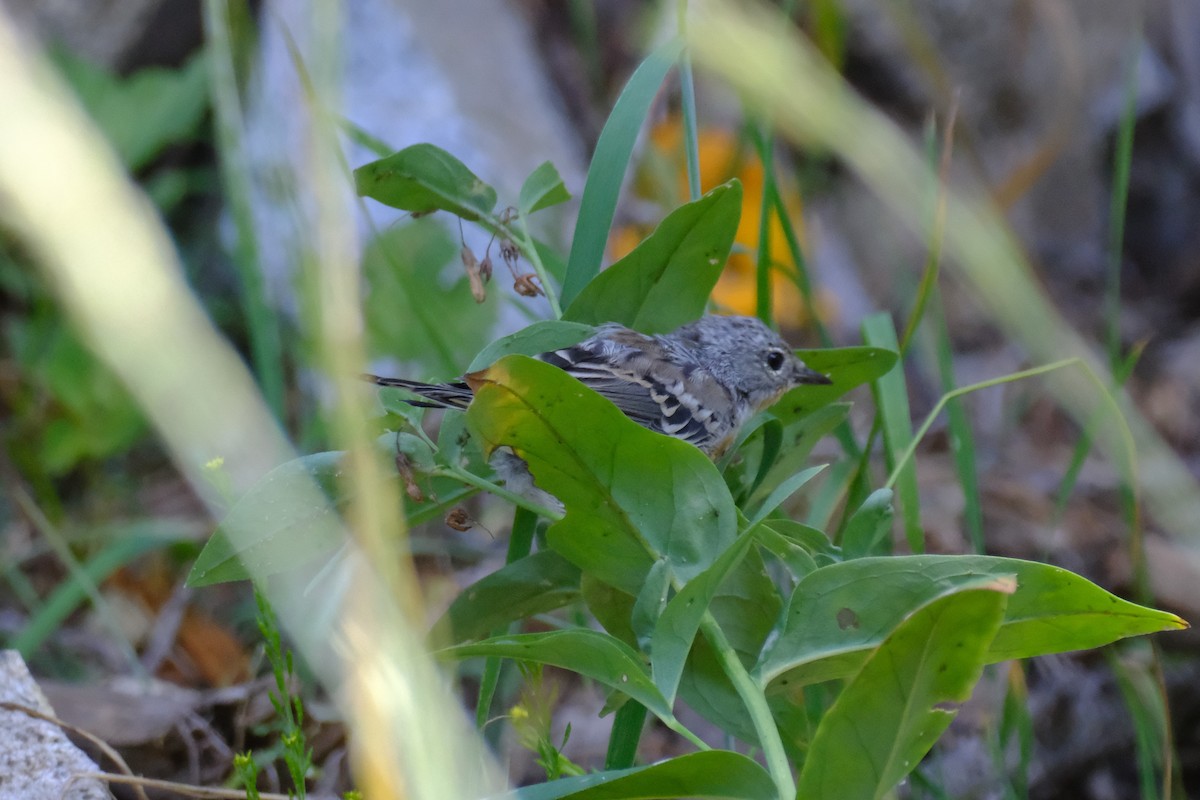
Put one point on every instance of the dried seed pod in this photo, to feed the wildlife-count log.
(404, 466)
(474, 274)
(526, 285)
(459, 519)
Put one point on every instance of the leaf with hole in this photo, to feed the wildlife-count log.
(838, 614)
(907, 692)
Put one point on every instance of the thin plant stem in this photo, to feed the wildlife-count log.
(520, 542)
(1126, 435)
(755, 700)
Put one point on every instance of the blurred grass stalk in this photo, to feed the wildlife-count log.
(114, 269)
(776, 68)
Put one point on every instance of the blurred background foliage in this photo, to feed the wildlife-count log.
(1040, 100)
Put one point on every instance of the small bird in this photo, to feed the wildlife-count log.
(699, 383)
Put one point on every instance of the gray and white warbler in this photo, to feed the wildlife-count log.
(699, 383)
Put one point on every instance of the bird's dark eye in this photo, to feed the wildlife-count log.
(775, 360)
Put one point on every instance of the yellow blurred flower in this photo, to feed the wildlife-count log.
(663, 177)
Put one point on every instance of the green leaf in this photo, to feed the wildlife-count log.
(145, 112)
(424, 178)
(797, 558)
(542, 189)
(890, 714)
(709, 774)
(631, 496)
(847, 367)
(78, 409)
(532, 585)
(649, 604)
(745, 609)
(782, 492)
(609, 163)
(811, 540)
(611, 607)
(868, 526)
(665, 282)
(841, 612)
(278, 528)
(412, 314)
(543, 336)
(603, 658)
(796, 442)
(677, 626)
(1056, 611)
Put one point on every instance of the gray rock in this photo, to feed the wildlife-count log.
(37, 761)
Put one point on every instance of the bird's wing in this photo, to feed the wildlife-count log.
(644, 398)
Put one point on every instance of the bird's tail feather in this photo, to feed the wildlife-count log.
(440, 395)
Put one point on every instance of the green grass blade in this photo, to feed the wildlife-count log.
(1084, 446)
(1144, 700)
(891, 398)
(69, 594)
(627, 727)
(1122, 158)
(520, 542)
(687, 98)
(802, 278)
(266, 345)
(607, 171)
(763, 299)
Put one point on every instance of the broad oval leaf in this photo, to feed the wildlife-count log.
(839, 613)
(424, 178)
(847, 368)
(713, 774)
(282, 522)
(542, 189)
(868, 526)
(543, 336)
(603, 658)
(905, 695)
(632, 496)
(710, 773)
(535, 584)
(665, 282)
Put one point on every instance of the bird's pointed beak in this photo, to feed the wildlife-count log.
(811, 376)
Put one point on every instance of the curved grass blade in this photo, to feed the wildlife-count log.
(607, 170)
